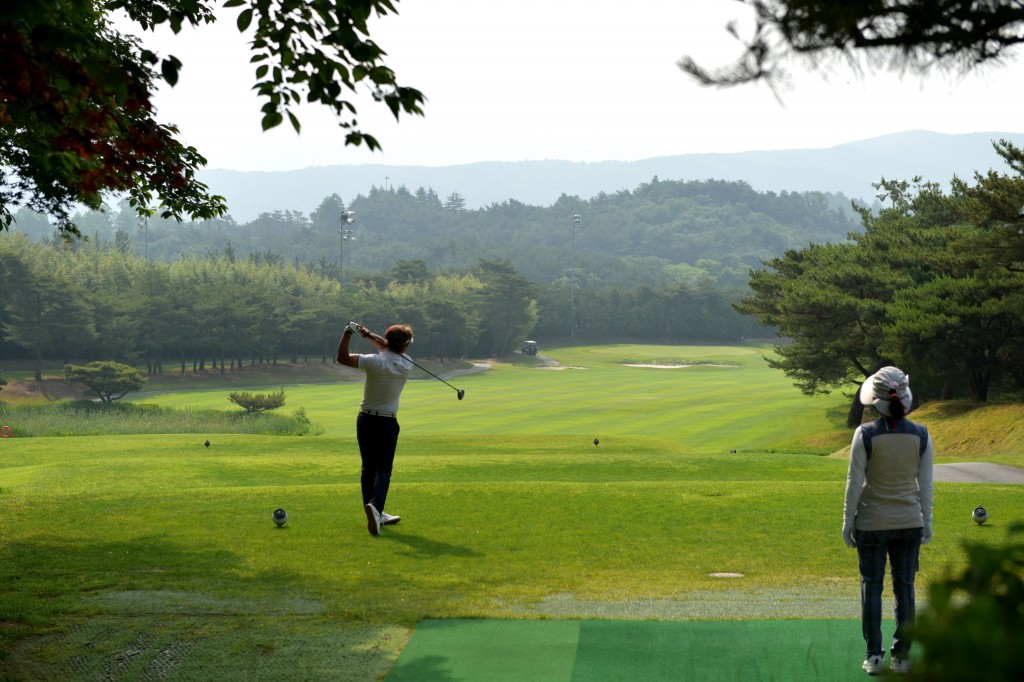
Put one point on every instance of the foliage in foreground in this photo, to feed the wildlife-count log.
(975, 629)
(88, 418)
(78, 119)
(904, 35)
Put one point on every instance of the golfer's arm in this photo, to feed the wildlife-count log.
(376, 340)
(344, 357)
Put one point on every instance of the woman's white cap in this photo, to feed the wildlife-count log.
(876, 389)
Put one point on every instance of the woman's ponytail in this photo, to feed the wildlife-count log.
(896, 409)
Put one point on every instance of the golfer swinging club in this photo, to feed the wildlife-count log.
(377, 423)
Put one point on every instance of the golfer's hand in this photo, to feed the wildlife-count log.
(848, 538)
(926, 537)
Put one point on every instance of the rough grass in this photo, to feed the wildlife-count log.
(972, 432)
(969, 432)
(87, 418)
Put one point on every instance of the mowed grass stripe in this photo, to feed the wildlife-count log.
(62, 466)
(697, 405)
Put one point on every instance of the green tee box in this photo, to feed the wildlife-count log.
(653, 651)
(484, 650)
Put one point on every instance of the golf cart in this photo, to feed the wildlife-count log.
(529, 348)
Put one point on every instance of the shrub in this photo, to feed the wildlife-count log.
(975, 628)
(107, 379)
(258, 402)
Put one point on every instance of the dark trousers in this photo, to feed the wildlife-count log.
(902, 547)
(378, 438)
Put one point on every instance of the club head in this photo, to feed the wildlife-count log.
(460, 392)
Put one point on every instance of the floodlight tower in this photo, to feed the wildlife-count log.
(572, 279)
(346, 235)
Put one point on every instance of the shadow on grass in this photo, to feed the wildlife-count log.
(426, 548)
(48, 579)
(154, 608)
(955, 408)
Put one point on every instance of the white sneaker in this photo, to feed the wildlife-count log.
(388, 519)
(900, 666)
(873, 665)
(372, 519)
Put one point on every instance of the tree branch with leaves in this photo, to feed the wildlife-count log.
(902, 35)
(76, 112)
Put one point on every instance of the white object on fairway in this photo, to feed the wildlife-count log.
(280, 516)
(979, 515)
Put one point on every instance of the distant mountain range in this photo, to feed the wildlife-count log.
(847, 168)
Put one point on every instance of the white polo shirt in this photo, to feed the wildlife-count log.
(386, 374)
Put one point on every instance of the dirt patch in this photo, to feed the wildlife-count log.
(48, 389)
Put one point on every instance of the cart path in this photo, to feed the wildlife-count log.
(978, 472)
(477, 367)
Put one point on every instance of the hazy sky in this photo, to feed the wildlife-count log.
(577, 80)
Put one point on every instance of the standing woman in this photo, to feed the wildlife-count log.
(377, 424)
(888, 510)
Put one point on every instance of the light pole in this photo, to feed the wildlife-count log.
(344, 234)
(572, 279)
(145, 231)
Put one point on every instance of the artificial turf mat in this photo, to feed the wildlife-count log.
(585, 650)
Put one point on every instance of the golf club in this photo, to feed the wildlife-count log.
(384, 342)
(458, 391)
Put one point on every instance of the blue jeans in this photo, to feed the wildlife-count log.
(378, 439)
(902, 547)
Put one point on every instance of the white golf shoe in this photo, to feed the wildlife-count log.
(873, 665)
(372, 519)
(900, 666)
(388, 519)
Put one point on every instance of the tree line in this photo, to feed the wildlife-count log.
(934, 284)
(660, 232)
(87, 301)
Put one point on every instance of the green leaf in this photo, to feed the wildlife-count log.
(295, 122)
(244, 19)
(169, 68)
(272, 120)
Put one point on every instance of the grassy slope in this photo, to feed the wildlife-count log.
(972, 432)
(155, 543)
